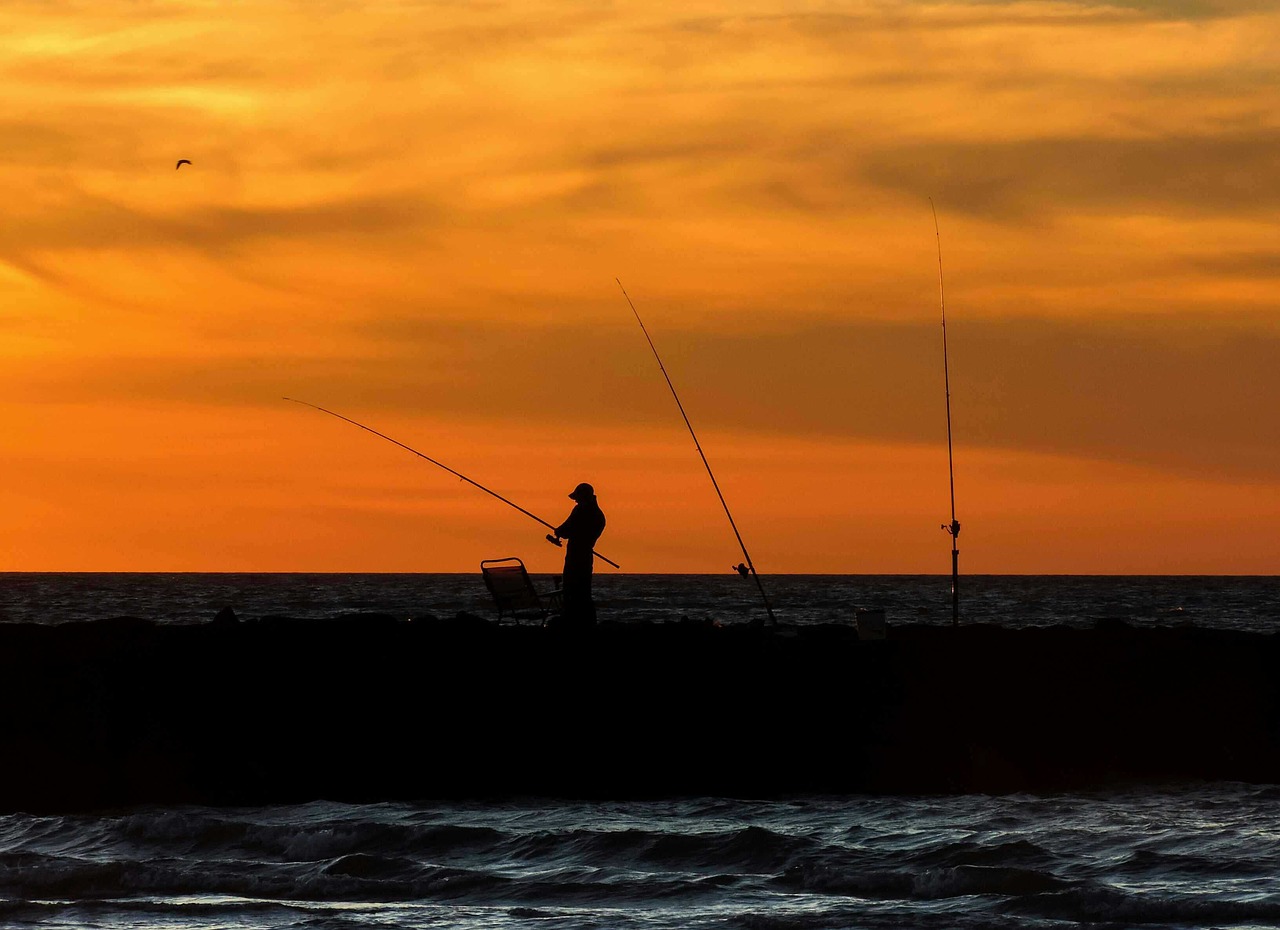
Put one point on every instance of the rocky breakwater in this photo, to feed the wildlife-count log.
(369, 707)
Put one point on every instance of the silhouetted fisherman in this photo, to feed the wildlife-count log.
(741, 569)
(581, 529)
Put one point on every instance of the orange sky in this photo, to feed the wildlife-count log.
(413, 213)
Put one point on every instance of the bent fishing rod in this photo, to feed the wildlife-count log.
(715, 484)
(953, 529)
(476, 484)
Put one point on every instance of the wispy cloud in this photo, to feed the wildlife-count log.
(1182, 397)
(1230, 174)
(85, 221)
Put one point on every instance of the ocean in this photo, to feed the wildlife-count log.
(1239, 603)
(1201, 855)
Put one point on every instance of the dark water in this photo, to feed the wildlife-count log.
(1189, 856)
(1203, 857)
(1246, 603)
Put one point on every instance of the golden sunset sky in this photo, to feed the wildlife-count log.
(414, 213)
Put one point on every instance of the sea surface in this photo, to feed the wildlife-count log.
(1177, 856)
(1222, 602)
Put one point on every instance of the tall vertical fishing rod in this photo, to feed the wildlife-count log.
(715, 484)
(474, 484)
(953, 529)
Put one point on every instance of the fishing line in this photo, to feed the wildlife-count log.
(715, 484)
(476, 484)
(953, 530)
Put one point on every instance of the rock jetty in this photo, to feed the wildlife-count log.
(370, 707)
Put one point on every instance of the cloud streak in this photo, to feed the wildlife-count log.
(84, 221)
(1210, 175)
(1176, 398)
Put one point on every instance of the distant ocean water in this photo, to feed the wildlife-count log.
(1243, 603)
(1197, 856)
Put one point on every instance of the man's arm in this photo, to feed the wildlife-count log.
(566, 529)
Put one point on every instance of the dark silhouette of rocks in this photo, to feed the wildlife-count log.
(368, 707)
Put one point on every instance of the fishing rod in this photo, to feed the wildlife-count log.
(476, 484)
(743, 546)
(952, 529)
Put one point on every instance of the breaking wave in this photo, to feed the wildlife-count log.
(1187, 857)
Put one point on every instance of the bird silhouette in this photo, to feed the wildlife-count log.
(181, 162)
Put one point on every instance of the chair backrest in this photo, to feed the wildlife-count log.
(510, 585)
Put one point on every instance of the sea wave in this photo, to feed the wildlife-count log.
(1195, 857)
(1109, 905)
(1241, 603)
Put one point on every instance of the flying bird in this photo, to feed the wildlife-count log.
(181, 162)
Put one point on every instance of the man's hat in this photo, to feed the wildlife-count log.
(583, 492)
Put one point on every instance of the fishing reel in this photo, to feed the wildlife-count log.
(554, 540)
(953, 530)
